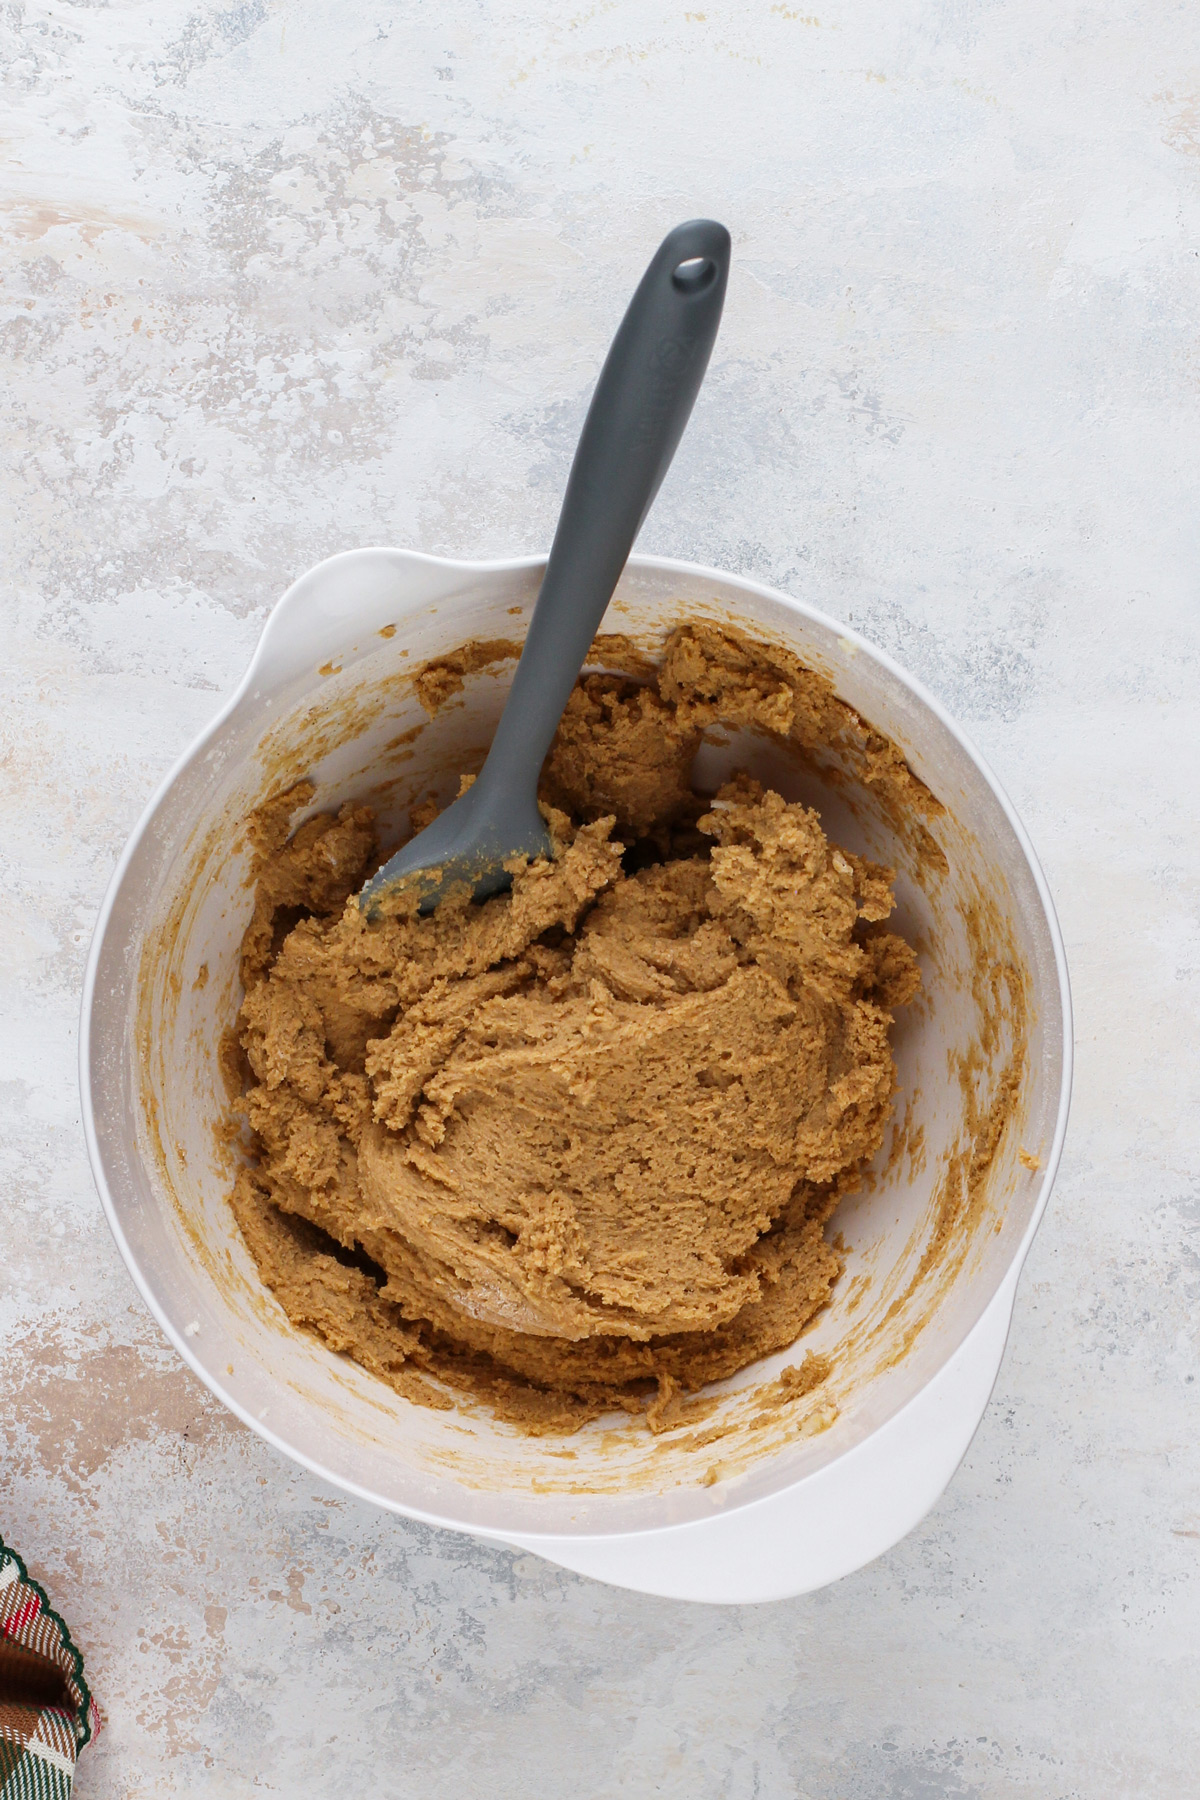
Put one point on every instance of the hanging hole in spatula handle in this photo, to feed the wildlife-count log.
(694, 275)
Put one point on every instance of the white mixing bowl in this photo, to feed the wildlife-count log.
(761, 1500)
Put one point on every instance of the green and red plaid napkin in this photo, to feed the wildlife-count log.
(47, 1714)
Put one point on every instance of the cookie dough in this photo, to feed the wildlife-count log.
(574, 1149)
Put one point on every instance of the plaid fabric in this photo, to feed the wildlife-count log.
(47, 1714)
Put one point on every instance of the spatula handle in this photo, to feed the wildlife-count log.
(642, 402)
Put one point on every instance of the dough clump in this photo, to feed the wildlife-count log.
(574, 1150)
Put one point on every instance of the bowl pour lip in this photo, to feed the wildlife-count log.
(526, 565)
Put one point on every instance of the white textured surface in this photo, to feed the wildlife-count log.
(283, 279)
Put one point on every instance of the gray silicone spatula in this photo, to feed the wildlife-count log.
(642, 402)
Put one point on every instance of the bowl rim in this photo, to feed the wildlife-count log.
(527, 564)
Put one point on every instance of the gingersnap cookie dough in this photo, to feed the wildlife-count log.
(573, 1150)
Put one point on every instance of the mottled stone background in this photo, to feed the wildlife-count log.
(283, 278)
